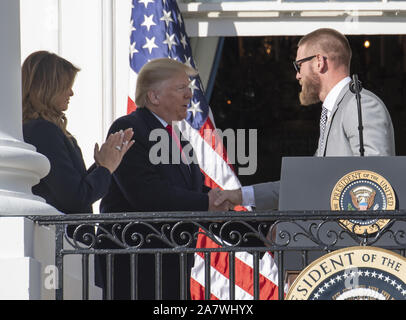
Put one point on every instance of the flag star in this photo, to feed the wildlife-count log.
(146, 2)
(326, 285)
(148, 22)
(167, 17)
(195, 108)
(316, 296)
(187, 62)
(393, 283)
(170, 41)
(373, 274)
(132, 28)
(192, 86)
(380, 276)
(399, 287)
(332, 281)
(338, 278)
(321, 290)
(183, 41)
(180, 20)
(132, 49)
(403, 292)
(366, 273)
(150, 44)
(387, 279)
(360, 273)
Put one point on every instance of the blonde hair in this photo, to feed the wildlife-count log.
(331, 42)
(45, 76)
(155, 72)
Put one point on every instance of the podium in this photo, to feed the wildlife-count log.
(337, 183)
(307, 182)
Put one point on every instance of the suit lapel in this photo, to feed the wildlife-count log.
(193, 169)
(154, 123)
(196, 175)
(185, 168)
(340, 98)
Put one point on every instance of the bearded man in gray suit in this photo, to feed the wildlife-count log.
(322, 68)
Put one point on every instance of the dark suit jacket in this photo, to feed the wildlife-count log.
(68, 186)
(141, 186)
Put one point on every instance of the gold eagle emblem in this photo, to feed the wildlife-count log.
(363, 197)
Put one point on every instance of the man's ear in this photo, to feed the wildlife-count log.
(322, 63)
(153, 97)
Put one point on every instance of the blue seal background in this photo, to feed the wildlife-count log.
(366, 277)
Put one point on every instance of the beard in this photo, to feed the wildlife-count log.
(310, 90)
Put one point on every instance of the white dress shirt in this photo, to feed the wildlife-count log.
(332, 96)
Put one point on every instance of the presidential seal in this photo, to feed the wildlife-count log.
(363, 190)
(354, 273)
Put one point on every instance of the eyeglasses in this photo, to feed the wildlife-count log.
(298, 63)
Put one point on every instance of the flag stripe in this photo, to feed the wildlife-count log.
(210, 135)
(197, 290)
(209, 160)
(130, 106)
(220, 284)
(268, 278)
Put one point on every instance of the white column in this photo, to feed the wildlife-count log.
(21, 166)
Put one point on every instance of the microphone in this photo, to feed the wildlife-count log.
(355, 84)
(356, 87)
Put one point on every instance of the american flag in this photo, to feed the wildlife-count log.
(157, 30)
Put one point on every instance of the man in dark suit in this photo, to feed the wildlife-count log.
(143, 184)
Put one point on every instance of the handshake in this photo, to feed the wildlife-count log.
(224, 200)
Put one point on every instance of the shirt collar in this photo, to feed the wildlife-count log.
(332, 96)
(162, 121)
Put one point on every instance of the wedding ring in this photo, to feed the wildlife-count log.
(118, 148)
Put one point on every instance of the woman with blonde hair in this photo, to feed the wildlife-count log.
(47, 81)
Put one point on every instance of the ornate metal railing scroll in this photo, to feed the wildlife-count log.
(259, 231)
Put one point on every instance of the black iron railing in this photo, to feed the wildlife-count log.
(290, 236)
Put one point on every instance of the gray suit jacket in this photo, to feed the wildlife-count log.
(342, 137)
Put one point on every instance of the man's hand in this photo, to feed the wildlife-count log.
(234, 197)
(222, 206)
